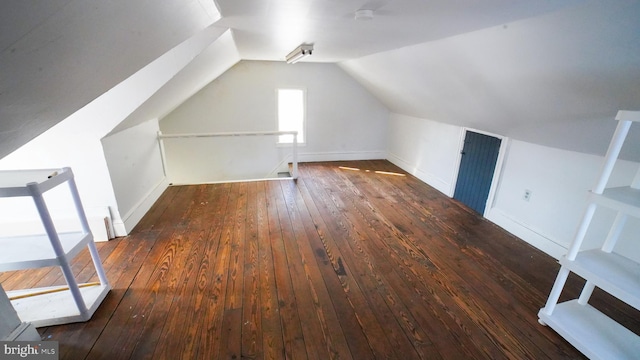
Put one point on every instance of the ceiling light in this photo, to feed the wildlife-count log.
(300, 52)
(364, 14)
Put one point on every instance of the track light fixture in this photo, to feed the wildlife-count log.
(364, 14)
(300, 52)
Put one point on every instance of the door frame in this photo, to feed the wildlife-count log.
(497, 172)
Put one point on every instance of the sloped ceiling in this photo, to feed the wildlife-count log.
(556, 79)
(58, 55)
(527, 69)
(205, 68)
(270, 29)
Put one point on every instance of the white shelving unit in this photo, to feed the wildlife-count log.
(590, 331)
(52, 305)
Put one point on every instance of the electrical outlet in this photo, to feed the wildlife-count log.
(527, 195)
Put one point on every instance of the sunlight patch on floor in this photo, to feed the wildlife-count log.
(375, 171)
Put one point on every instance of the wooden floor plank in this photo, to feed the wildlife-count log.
(366, 243)
(345, 298)
(251, 313)
(232, 332)
(294, 345)
(77, 340)
(163, 212)
(211, 345)
(272, 334)
(209, 225)
(354, 260)
(148, 287)
(312, 319)
(404, 248)
(398, 257)
(484, 290)
(363, 271)
(479, 289)
(334, 339)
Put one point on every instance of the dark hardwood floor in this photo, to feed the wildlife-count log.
(345, 263)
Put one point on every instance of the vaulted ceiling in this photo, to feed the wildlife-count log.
(438, 59)
(59, 55)
(268, 30)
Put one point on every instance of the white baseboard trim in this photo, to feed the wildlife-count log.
(513, 226)
(438, 183)
(341, 156)
(119, 228)
(284, 165)
(133, 216)
(526, 233)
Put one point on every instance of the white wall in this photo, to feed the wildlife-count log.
(344, 121)
(556, 80)
(75, 142)
(426, 149)
(221, 159)
(135, 166)
(559, 181)
(57, 56)
(207, 66)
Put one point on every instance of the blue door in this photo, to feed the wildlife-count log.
(479, 157)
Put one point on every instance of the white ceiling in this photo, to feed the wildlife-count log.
(270, 29)
(57, 56)
(556, 80)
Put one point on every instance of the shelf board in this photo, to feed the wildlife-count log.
(31, 251)
(615, 274)
(20, 178)
(625, 199)
(58, 307)
(593, 333)
(628, 115)
(14, 182)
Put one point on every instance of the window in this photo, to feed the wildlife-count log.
(291, 114)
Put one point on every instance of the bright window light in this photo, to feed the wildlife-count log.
(291, 114)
